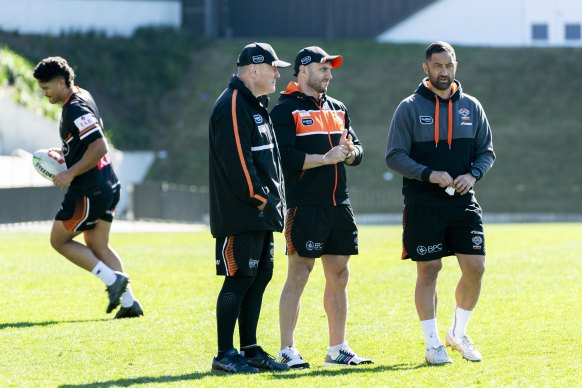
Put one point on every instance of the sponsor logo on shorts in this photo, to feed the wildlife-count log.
(313, 246)
(258, 119)
(425, 120)
(253, 263)
(422, 250)
(477, 242)
(477, 232)
(356, 238)
(217, 263)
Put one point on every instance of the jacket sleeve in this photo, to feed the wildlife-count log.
(399, 145)
(284, 124)
(484, 155)
(357, 143)
(232, 144)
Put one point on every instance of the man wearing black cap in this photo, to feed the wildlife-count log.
(246, 205)
(316, 141)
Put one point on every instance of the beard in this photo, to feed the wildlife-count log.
(316, 85)
(439, 83)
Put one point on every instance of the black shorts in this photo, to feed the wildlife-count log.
(430, 233)
(81, 211)
(248, 252)
(313, 231)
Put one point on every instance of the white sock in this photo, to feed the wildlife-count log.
(127, 297)
(334, 350)
(460, 321)
(103, 272)
(429, 327)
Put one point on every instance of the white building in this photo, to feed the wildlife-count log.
(513, 23)
(113, 17)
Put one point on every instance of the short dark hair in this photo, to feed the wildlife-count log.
(438, 47)
(52, 67)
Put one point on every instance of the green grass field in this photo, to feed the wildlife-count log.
(54, 330)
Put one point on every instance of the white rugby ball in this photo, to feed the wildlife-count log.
(48, 163)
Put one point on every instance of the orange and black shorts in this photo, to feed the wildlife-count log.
(81, 211)
(247, 253)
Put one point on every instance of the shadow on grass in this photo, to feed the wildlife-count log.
(285, 375)
(338, 371)
(20, 325)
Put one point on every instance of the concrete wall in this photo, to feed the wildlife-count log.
(489, 23)
(21, 128)
(115, 17)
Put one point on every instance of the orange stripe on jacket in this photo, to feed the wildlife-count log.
(240, 151)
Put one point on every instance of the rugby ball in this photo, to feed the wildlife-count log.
(48, 163)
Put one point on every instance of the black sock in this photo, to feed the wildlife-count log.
(251, 309)
(228, 308)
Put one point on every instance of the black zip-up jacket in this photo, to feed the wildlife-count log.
(304, 126)
(245, 167)
(429, 133)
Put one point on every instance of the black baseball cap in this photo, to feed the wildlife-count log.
(316, 54)
(259, 53)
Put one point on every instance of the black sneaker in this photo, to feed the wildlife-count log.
(264, 361)
(132, 311)
(232, 362)
(115, 290)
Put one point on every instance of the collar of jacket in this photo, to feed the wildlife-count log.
(236, 83)
(293, 90)
(425, 92)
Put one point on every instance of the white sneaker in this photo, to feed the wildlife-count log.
(290, 356)
(437, 355)
(464, 345)
(345, 357)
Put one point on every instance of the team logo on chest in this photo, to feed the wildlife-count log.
(258, 119)
(465, 118)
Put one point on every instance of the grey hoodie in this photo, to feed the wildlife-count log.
(428, 133)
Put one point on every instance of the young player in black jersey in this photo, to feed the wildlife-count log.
(93, 188)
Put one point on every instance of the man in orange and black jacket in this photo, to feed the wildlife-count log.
(316, 141)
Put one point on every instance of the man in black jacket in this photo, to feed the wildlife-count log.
(316, 142)
(246, 205)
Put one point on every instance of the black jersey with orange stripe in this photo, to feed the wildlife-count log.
(305, 125)
(80, 125)
(244, 164)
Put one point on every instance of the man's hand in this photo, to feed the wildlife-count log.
(63, 179)
(336, 155)
(441, 178)
(463, 183)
